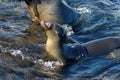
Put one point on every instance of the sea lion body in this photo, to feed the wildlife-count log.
(54, 11)
(56, 47)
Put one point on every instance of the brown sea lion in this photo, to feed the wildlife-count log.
(58, 49)
(55, 11)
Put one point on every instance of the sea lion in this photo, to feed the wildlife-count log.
(58, 49)
(55, 47)
(54, 11)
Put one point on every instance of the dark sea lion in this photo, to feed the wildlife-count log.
(58, 49)
(55, 11)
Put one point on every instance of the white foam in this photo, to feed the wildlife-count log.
(17, 52)
(68, 29)
(50, 64)
(83, 10)
(115, 53)
(116, 13)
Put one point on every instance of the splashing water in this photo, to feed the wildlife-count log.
(50, 64)
(21, 43)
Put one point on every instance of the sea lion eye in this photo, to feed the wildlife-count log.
(48, 25)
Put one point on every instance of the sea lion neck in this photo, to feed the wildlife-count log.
(54, 47)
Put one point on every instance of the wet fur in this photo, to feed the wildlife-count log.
(51, 10)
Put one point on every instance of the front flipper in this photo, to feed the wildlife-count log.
(32, 8)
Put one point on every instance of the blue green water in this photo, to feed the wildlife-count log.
(21, 42)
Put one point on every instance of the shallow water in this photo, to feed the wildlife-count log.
(22, 41)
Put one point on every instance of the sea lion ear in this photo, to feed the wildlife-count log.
(62, 33)
(64, 38)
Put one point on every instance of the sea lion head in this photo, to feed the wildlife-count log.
(56, 36)
(54, 30)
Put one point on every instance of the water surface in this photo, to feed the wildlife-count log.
(22, 41)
